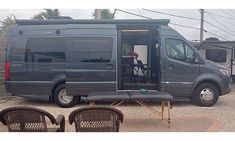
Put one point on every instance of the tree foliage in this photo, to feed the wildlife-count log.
(5, 26)
(105, 14)
(48, 13)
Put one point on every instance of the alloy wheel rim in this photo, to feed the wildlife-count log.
(64, 98)
(207, 95)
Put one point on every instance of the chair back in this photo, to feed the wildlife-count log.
(140, 63)
(96, 119)
(25, 119)
(1, 118)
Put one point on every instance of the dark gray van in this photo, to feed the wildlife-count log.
(66, 59)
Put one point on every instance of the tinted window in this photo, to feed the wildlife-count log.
(90, 50)
(179, 50)
(45, 50)
(216, 55)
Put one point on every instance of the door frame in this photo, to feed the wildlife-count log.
(151, 28)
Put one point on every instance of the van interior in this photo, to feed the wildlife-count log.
(138, 61)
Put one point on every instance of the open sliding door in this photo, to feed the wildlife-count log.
(137, 59)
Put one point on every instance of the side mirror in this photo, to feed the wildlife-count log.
(196, 59)
(193, 60)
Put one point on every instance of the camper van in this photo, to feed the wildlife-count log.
(66, 59)
(221, 52)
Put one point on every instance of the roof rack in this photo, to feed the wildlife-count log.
(60, 17)
(106, 21)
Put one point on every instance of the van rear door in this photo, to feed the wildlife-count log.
(16, 67)
(90, 60)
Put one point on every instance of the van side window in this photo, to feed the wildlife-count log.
(216, 55)
(90, 49)
(51, 49)
(179, 50)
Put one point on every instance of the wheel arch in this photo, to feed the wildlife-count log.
(211, 81)
(58, 83)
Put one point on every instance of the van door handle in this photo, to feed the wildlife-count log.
(109, 66)
(170, 67)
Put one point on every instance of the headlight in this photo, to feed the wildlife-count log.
(224, 72)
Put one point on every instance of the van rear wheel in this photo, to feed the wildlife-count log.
(62, 99)
(206, 94)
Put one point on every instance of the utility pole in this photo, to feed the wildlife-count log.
(97, 14)
(202, 24)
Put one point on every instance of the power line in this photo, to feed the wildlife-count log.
(231, 11)
(219, 28)
(140, 12)
(206, 31)
(225, 17)
(174, 15)
(151, 18)
(179, 16)
(133, 14)
(215, 35)
(226, 12)
(174, 24)
(114, 12)
(221, 23)
(185, 26)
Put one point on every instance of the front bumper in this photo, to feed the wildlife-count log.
(227, 89)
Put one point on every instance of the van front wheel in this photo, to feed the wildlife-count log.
(205, 94)
(62, 99)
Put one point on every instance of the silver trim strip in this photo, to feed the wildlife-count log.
(92, 82)
(29, 81)
(88, 70)
(136, 91)
(167, 82)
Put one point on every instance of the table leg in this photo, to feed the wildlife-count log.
(116, 103)
(169, 118)
(171, 104)
(113, 104)
(92, 103)
(163, 105)
(119, 103)
(149, 108)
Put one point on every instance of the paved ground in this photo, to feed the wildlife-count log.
(186, 117)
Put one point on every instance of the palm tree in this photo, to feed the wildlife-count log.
(5, 25)
(47, 14)
(105, 14)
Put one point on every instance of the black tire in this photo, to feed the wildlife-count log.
(205, 89)
(59, 100)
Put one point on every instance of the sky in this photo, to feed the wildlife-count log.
(219, 22)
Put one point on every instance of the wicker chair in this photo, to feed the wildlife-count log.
(96, 119)
(29, 119)
(1, 118)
